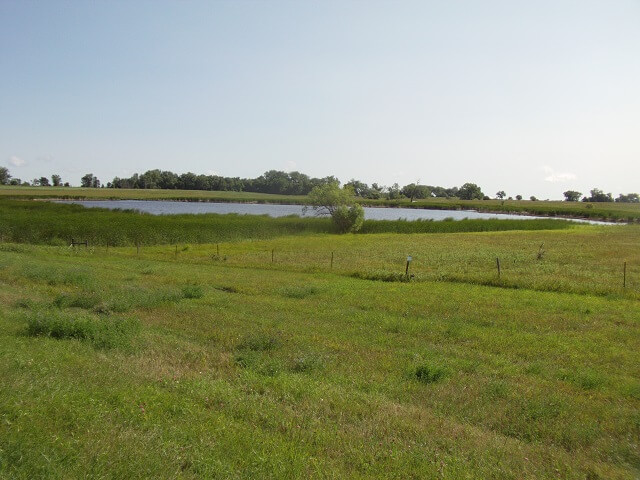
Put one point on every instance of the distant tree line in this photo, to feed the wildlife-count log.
(288, 183)
(597, 195)
(7, 179)
(296, 183)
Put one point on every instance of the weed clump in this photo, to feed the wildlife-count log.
(85, 300)
(306, 363)
(101, 332)
(228, 289)
(382, 276)
(426, 373)
(298, 291)
(259, 343)
(192, 291)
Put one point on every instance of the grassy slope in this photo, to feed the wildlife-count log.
(609, 211)
(287, 373)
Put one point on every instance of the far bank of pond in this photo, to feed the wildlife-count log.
(162, 207)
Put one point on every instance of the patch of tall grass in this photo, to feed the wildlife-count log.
(101, 332)
(56, 224)
(466, 225)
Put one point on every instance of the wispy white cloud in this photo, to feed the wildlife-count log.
(557, 177)
(212, 172)
(17, 161)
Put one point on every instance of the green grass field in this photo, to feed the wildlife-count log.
(622, 212)
(258, 358)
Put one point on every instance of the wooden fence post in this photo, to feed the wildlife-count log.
(498, 264)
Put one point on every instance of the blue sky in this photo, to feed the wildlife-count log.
(531, 97)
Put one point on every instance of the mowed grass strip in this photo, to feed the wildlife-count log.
(284, 374)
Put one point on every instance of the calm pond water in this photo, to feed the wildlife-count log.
(161, 207)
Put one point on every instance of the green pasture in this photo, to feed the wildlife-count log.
(212, 361)
(582, 259)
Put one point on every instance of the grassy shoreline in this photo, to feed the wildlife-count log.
(57, 224)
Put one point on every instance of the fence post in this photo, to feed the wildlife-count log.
(332, 260)
(272, 255)
(406, 270)
(498, 264)
(624, 275)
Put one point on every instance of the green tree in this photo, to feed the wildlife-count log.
(4, 176)
(629, 198)
(572, 196)
(44, 182)
(501, 194)
(56, 180)
(598, 195)
(393, 192)
(330, 199)
(518, 197)
(470, 191)
(415, 190)
(90, 181)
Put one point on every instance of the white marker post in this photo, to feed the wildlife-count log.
(406, 270)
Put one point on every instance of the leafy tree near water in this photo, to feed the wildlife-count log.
(415, 190)
(470, 191)
(330, 199)
(90, 181)
(598, 195)
(629, 198)
(4, 176)
(572, 195)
